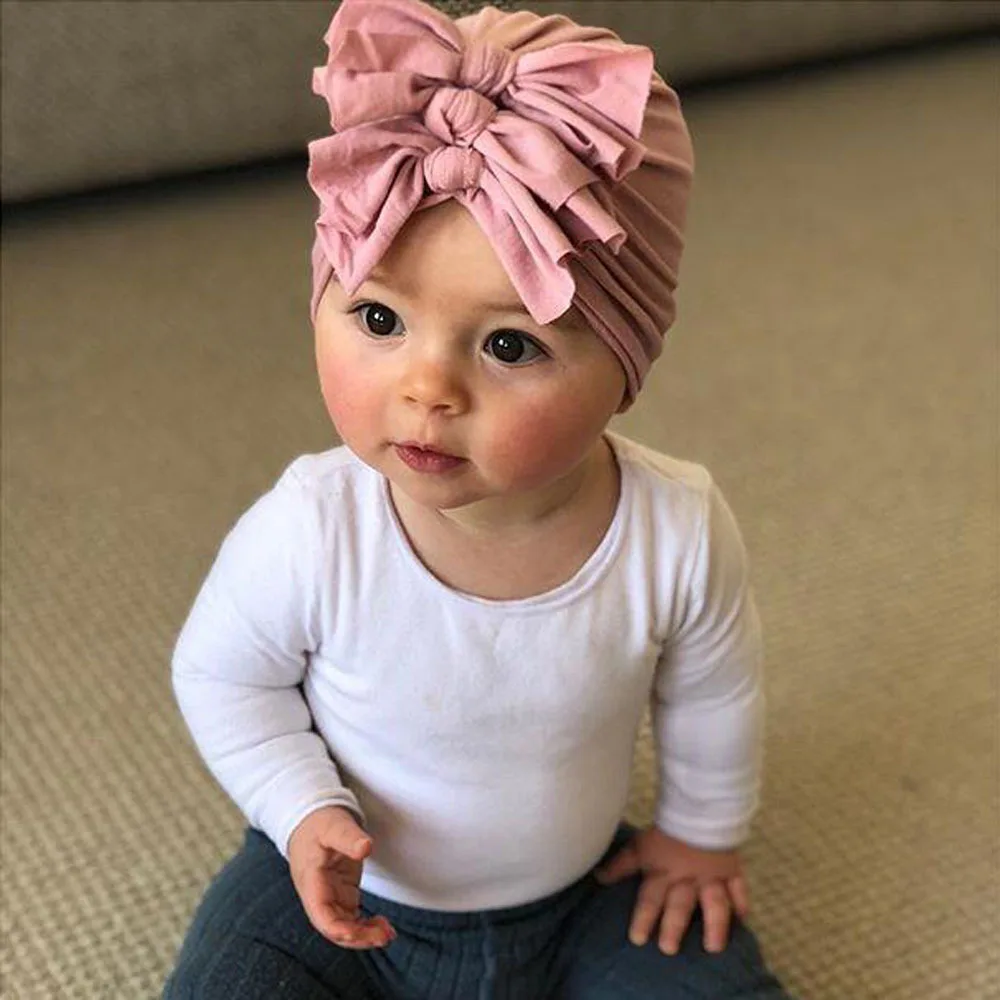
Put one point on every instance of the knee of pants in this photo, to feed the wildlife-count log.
(256, 970)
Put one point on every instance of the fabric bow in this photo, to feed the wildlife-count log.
(527, 139)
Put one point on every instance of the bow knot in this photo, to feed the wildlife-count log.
(450, 169)
(487, 68)
(527, 138)
(457, 116)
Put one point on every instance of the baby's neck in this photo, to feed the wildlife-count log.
(510, 553)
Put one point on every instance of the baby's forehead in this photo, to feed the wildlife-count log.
(448, 222)
(443, 248)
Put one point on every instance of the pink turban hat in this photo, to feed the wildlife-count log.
(568, 150)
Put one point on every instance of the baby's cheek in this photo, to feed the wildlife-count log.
(540, 445)
(348, 401)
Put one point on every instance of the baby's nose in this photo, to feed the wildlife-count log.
(436, 384)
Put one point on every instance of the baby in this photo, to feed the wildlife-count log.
(419, 662)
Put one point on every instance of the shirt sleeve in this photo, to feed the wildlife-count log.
(708, 703)
(241, 658)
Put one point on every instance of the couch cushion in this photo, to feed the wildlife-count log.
(97, 92)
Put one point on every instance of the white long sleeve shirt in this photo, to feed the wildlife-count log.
(486, 744)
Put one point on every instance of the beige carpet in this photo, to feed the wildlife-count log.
(836, 366)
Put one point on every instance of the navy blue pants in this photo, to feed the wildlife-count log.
(251, 940)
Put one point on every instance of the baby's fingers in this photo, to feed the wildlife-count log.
(677, 916)
(333, 911)
(716, 913)
(359, 934)
(345, 928)
(648, 907)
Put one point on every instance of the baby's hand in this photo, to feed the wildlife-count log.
(325, 854)
(675, 877)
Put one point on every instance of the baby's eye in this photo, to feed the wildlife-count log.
(379, 320)
(513, 348)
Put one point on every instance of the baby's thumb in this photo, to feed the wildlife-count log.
(343, 834)
(622, 865)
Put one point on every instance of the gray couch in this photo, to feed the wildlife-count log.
(103, 91)
(833, 364)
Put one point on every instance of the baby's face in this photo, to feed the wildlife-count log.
(435, 374)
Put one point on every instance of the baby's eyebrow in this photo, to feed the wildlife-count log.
(378, 277)
(507, 306)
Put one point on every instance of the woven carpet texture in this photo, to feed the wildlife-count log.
(835, 365)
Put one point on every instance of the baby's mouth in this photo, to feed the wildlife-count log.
(422, 458)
